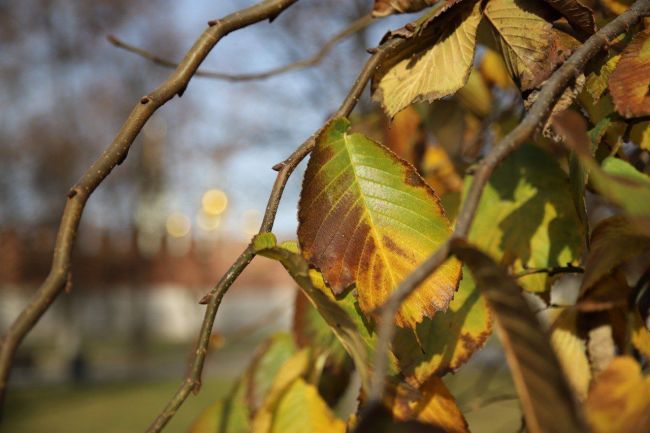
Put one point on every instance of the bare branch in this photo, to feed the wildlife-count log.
(114, 154)
(536, 116)
(569, 269)
(192, 382)
(354, 27)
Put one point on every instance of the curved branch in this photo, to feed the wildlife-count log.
(114, 154)
(354, 27)
(192, 381)
(536, 116)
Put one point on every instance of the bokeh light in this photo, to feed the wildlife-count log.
(214, 202)
(207, 222)
(178, 225)
(251, 220)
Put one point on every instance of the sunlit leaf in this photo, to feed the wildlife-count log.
(379, 419)
(640, 335)
(526, 217)
(578, 15)
(301, 409)
(619, 401)
(444, 343)
(367, 217)
(530, 46)
(545, 395)
(613, 242)
(494, 70)
(640, 134)
(630, 80)
(431, 404)
(597, 80)
(571, 351)
(434, 63)
(439, 171)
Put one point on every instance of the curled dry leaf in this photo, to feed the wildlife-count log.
(433, 63)
(545, 394)
(383, 8)
(629, 84)
(530, 46)
(619, 401)
(578, 15)
(367, 217)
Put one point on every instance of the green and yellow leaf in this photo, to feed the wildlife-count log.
(230, 415)
(571, 351)
(432, 64)
(526, 218)
(630, 80)
(367, 217)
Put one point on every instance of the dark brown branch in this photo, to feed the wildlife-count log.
(354, 27)
(192, 382)
(556, 270)
(114, 154)
(536, 116)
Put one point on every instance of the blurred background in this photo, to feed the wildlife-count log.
(162, 229)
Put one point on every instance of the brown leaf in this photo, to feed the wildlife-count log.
(629, 84)
(578, 15)
(545, 394)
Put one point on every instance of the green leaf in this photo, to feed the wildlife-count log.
(367, 217)
(443, 343)
(545, 395)
(526, 218)
(432, 64)
(230, 415)
(530, 46)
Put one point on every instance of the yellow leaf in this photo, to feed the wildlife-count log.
(640, 134)
(641, 336)
(367, 217)
(619, 401)
(530, 46)
(494, 70)
(571, 351)
(302, 410)
(433, 64)
(431, 404)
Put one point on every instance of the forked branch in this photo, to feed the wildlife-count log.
(112, 156)
(535, 117)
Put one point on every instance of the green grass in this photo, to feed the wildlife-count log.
(115, 408)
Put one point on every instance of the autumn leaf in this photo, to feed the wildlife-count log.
(367, 217)
(640, 134)
(494, 70)
(444, 343)
(571, 351)
(432, 64)
(383, 8)
(530, 46)
(431, 404)
(613, 242)
(545, 395)
(640, 335)
(630, 81)
(619, 401)
(579, 16)
(526, 217)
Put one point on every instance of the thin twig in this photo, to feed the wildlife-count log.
(112, 156)
(536, 116)
(552, 271)
(192, 382)
(354, 27)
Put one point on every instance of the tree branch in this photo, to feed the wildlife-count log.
(354, 27)
(192, 382)
(114, 154)
(536, 116)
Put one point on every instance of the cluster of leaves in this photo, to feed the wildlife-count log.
(369, 214)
